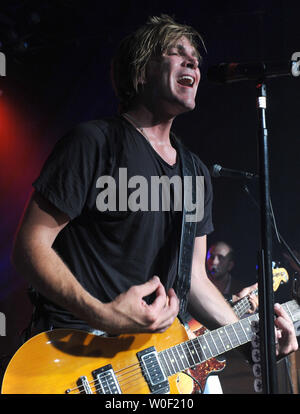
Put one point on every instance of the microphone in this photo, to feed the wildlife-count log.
(218, 171)
(235, 72)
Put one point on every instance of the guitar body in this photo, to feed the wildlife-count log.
(52, 362)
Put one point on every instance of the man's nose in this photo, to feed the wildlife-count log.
(191, 61)
(215, 260)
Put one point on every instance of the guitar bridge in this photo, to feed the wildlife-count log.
(153, 372)
(84, 386)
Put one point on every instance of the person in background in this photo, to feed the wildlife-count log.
(219, 264)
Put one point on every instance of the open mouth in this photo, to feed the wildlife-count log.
(186, 80)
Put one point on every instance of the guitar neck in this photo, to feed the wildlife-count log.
(280, 275)
(213, 343)
(243, 305)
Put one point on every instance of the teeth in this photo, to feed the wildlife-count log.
(186, 80)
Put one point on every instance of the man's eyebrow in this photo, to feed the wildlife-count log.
(182, 48)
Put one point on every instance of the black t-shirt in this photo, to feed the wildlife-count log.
(109, 251)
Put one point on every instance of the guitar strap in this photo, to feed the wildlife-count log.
(188, 230)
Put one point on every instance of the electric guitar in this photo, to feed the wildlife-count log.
(193, 380)
(66, 361)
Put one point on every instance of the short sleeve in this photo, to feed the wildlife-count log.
(68, 172)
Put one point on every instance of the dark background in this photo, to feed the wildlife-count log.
(58, 60)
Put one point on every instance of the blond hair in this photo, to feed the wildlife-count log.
(134, 52)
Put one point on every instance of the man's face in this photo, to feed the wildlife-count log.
(172, 80)
(219, 262)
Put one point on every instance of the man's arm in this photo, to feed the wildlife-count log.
(206, 303)
(35, 259)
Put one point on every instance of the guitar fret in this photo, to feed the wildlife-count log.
(174, 361)
(203, 347)
(247, 326)
(225, 330)
(218, 338)
(232, 334)
(213, 344)
(195, 352)
(200, 348)
(179, 358)
(224, 338)
(206, 338)
(239, 308)
(168, 362)
(242, 333)
(193, 363)
(243, 305)
(171, 359)
(184, 354)
(236, 334)
(164, 363)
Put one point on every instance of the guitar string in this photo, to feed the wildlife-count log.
(195, 342)
(93, 382)
(241, 308)
(97, 386)
(122, 382)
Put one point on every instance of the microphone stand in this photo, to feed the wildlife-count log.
(292, 255)
(278, 235)
(265, 276)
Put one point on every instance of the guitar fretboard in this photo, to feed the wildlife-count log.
(213, 343)
(243, 305)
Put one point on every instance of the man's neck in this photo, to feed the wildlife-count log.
(154, 126)
(223, 282)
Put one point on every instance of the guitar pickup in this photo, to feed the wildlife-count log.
(153, 372)
(106, 381)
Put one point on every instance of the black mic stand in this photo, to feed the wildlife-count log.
(292, 255)
(265, 276)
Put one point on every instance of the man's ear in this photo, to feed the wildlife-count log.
(142, 77)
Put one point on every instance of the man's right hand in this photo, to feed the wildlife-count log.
(129, 313)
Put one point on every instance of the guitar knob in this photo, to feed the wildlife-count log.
(255, 355)
(255, 326)
(258, 385)
(257, 370)
(255, 341)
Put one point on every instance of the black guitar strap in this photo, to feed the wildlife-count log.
(188, 230)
